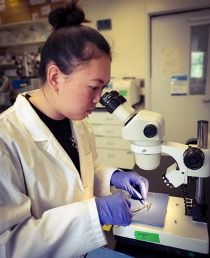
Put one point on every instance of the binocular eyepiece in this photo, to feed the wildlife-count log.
(112, 100)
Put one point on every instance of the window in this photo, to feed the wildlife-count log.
(197, 65)
(198, 62)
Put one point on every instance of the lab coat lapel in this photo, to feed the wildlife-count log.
(41, 133)
(86, 159)
(81, 144)
(53, 147)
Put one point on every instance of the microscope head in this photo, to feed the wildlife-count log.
(144, 129)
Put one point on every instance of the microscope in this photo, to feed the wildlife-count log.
(185, 230)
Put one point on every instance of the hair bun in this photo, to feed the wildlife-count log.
(62, 16)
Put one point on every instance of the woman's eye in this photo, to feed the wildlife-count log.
(105, 86)
(93, 88)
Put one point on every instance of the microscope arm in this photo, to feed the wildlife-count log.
(197, 161)
(190, 162)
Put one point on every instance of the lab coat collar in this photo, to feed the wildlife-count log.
(28, 116)
(39, 131)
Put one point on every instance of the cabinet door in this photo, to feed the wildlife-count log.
(112, 143)
(108, 130)
(103, 117)
(117, 158)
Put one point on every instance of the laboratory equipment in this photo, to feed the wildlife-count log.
(185, 229)
(5, 101)
(4, 83)
(129, 88)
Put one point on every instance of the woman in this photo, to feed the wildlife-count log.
(54, 197)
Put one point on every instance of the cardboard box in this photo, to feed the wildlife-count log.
(16, 3)
(15, 15)
(2, 5)
(42, 11)
(58, 3)
(37, 2)
(15, 11)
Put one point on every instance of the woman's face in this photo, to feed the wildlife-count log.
(80, 91)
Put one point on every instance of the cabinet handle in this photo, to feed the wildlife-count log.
(111, 155)
(206, 100)
(109, 131)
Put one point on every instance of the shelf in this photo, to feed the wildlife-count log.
(24, 33)
(19, 24)
(22, 43)
(7, 65)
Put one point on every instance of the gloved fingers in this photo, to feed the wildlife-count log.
(138, 192)
(114, 209)
(141, 185)
(126, 212)
(128, 203)
(134, 193)
(129, 206)
(123, 210)
(124, 200)
(126, 180)
(146, 183)
(142, 189)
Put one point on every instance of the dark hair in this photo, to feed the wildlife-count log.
(71, 42)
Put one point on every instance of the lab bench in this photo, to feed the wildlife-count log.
(146, 249)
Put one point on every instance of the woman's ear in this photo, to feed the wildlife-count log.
(52, 77)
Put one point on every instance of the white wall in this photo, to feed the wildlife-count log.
(129, 34)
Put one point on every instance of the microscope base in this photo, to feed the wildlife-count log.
(180, 233)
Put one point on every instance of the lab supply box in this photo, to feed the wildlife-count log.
(18, 11)
(14, 11)
(11, 4)
(40, 11)
(37, 2)
(14, 15)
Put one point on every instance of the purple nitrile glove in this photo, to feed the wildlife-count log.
(128, 180)
(114, 210)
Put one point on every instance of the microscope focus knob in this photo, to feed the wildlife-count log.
(150, 130)
(193, 158)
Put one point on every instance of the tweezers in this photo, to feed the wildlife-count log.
(148, 206)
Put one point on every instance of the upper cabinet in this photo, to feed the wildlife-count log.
(22, 33)
(25, 21)
(24, 28)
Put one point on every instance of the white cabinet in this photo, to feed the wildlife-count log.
(112, 149)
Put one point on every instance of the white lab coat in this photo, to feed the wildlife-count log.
(46, 209)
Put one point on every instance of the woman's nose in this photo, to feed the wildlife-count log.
(97, 96)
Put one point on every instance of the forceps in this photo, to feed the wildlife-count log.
(148, 206)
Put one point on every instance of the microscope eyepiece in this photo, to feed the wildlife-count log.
(108, 96)
(112, 100)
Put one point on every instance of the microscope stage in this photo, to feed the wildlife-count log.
(179, 230)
